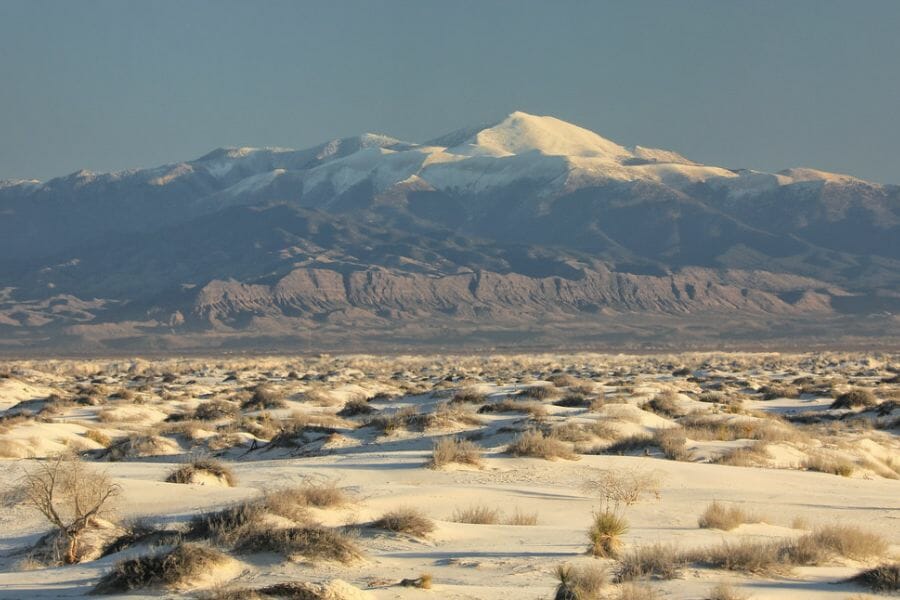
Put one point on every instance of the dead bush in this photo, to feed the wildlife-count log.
(882, 579)
(215, 410)
(69, 495)
(264, 397)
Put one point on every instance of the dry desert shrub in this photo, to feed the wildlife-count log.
(726, 518)
(172, 568)
(454, 450)
(573, 401)
(640, 442)
(754, 455)
(535, 409)
(672, 441)
(665, 404)
(322, 494)
(469, 396)
(69, 495)
(658, 561)
(779, 390)
(855, 398)
(226, 526)
(215, 410)
(447, 415)
(408, 520)
(725, 591)
(834, 465)
(264, 397)
(399, 420)
(882, 579)
(479, 514)
(749, 556)
(534, 443)
(562, 380)
(622, 488)
(137, 446)
(848, 541)
(356, 407)
(540, 392)
(311, 542)
(190, 472)
(582, 582)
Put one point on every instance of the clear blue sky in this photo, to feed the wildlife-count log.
(765, 84)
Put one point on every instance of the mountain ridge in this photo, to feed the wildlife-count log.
(558, 220)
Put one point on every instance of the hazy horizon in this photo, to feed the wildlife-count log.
(108, 85)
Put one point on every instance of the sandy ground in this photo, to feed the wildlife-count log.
(383, 472)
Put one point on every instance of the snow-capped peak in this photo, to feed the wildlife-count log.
(521, 132)
(805, 174)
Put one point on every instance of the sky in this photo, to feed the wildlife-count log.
(767, 84)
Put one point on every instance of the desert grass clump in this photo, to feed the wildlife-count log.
(672, 441)
(606, 531)
(748, 556)
(406, 520)
(215, 410)
(582, 582)
(534, 409)
(479, 514)
(310, 542)
(190, 472)
(534, 443)
(664, 403)
(754, 455)
(640, 442)
(227, 525)
(562, 380)
(725, 591)
(855, 398)
(469, 396)
(573, 401)
(172, 568)
(726, 518)
(324, 494)
(451, 450)
(395, 422)
(658, 561)
(264, 397)
(356, 407)
(519, 518)
(882, 579)
(776, 390)
(95, 435)
(829, 464)
(849, 541)
(541, 392)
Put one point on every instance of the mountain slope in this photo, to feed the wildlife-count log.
(529, 223)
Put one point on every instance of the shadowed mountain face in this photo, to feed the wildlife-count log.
(529, 228)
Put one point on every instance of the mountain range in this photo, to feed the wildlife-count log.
(523, 233)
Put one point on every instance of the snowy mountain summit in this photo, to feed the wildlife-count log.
(496, 226)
